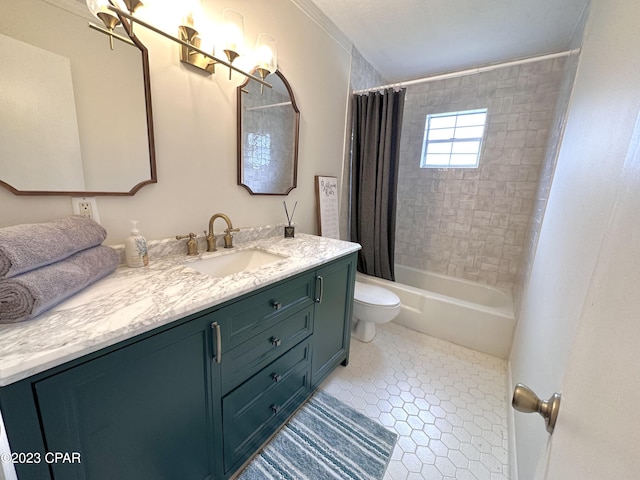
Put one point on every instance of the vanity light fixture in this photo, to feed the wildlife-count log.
(266, 53)
(233, 34)
(188, 32)
(100, 10)
(191, 51)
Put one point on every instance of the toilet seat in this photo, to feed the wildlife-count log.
(373, 295)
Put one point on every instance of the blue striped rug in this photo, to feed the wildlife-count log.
(325, 439)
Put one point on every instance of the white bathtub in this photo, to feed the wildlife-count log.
(466, 313)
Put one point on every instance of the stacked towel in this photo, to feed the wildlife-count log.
(28, 246)
(43, 264)
(25, 296)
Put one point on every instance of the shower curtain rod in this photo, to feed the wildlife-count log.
(462, 73)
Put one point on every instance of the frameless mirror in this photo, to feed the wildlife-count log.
(268, 127)
(75, 115)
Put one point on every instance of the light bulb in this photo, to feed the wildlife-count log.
(266, 54)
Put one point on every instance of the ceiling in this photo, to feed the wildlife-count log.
(410, 39)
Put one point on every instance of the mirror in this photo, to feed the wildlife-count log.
(76, 116)
(268, 128)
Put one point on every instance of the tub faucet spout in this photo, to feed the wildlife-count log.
(228, 238)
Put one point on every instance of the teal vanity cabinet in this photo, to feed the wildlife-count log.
(192, 400)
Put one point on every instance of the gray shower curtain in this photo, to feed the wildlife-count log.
(375, 151)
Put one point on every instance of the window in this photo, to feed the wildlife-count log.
(453, 140)
(258, 149)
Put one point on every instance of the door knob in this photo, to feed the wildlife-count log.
(524, 400)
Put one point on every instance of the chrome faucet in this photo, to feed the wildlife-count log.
(228, 238)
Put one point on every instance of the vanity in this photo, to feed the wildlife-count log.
(166, 372)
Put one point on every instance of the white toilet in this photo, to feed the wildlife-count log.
(371, 305)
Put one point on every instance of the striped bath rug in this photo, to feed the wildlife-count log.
(325, 439)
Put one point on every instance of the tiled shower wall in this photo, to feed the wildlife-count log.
(474, 223)
(549, 162)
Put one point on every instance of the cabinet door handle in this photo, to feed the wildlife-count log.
(275, 409)
(320, 286)
(276, 305)
(276, 342)
(276, 377)
(216, 330)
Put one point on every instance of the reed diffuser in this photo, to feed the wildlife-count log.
(289, 230)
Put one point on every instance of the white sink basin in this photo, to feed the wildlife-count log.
(236, 262)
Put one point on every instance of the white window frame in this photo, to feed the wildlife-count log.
(452, 141)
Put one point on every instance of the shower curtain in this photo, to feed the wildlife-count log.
(375, 151)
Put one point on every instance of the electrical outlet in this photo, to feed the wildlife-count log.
(85, 206)
(85, 209)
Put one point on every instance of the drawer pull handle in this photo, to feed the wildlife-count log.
(276, 377)
(276, 409)
(319, 286)
(277, 305)
(216, 329)
(276, 342)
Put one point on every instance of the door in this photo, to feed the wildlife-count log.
(597, 435)
(143, 412)
(332, 317)
(598, 430)
(584, 343)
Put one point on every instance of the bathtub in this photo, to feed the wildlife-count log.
(470, 314)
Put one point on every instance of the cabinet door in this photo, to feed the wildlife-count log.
(332, 318)
(142, 412)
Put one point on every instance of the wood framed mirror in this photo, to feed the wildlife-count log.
(76, 115)
(268, 133)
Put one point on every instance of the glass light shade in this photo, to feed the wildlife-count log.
(129, 5)
(266, 53)
(206, 31)
(192, 14)
(100, 6)
(233, 36)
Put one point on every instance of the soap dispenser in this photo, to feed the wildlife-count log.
(135, 248)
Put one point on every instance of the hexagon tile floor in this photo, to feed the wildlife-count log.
(447, 403)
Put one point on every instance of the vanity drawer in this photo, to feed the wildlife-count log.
(243, 320)
(256, 409)
(246, 359)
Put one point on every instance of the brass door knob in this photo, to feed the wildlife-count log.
(525, 400)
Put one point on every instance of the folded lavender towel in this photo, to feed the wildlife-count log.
(25, 296)
(28, 246)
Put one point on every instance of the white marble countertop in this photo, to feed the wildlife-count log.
(132, 301)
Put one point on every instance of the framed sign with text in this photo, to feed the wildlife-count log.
(327, 206)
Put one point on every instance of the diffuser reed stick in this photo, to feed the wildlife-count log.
(286, 211)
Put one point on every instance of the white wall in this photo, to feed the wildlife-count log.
(195, 130)
(589, 175)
